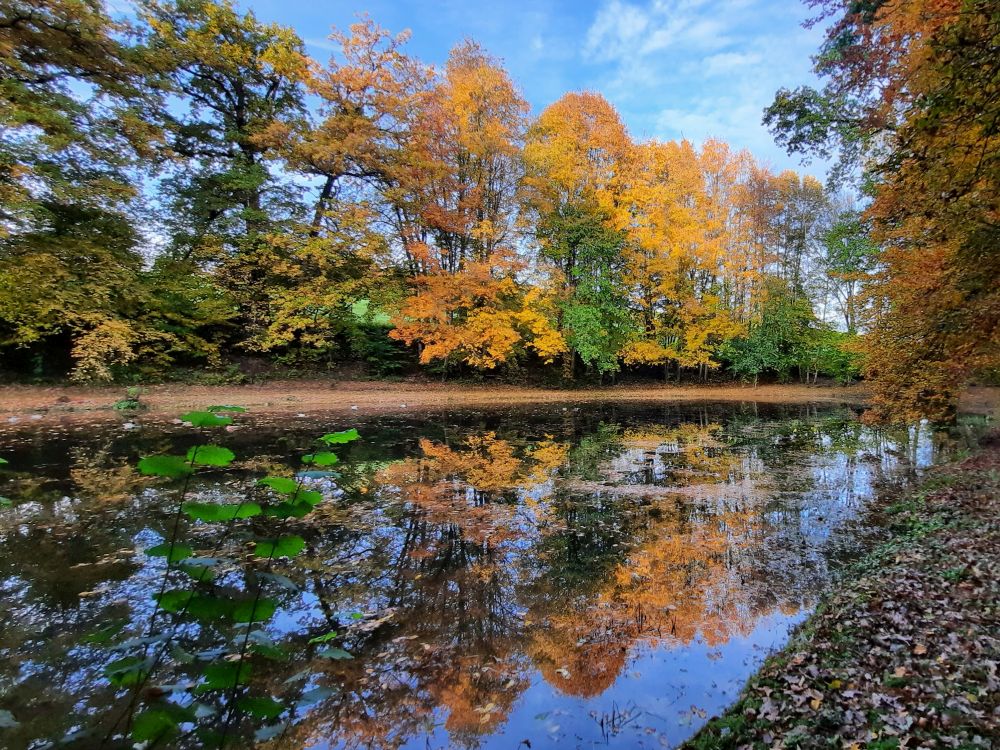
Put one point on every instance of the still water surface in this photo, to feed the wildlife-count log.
(606, 575)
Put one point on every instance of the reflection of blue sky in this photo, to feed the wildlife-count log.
(669, 691)
(808, 489)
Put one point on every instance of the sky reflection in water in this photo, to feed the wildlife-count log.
(573, 577)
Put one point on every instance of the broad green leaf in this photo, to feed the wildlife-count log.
(231, 409)
(212, 737)
(337, 438)
(106, 634)
(180, 655)
(153, 725)
(310, 497)
(284, 485)
(130, 670)
(334, 653)
(206, 562)
(286, 546)
(324, 638)
(250, 612)
(164, 466)
(205, 419)
(213, 512)
(174, 600)
(261, 708)
(200, 573)
(288, 510)
(6, 502)
(210, 455)
(324, 458)
(223, 676)
(172, 553)
(3, 461)
(209, 607)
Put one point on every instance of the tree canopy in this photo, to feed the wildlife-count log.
(189, 188)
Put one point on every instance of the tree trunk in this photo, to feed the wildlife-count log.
(568, 366)
(324, 196)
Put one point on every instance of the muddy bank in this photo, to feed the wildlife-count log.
(295, 396)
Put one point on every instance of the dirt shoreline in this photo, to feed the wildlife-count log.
(367, 397)
(73, 403)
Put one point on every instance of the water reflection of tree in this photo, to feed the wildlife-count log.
(500, 555)
(604, 573)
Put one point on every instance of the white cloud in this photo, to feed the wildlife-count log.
(625, 30)
(616, 30)
(322, 44)
(726, 63)
(699, 68)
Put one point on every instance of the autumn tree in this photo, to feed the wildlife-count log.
(686, 268)
(453, 199)
(462, 167)
(74, 102)
(577, 158)
(336, 254)
(310, 212)
(370, 94)
(235, 78)
(911, 89)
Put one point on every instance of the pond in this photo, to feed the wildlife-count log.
(572, 576)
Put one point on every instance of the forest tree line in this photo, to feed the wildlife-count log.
(189, 187)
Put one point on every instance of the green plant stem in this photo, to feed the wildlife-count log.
(233, 710)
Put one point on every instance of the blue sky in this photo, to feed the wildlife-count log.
(673, 68)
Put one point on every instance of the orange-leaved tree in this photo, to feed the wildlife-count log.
(913, 89)
(453, 197)
(578, 158)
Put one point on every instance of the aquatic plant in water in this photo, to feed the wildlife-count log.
(187, 672)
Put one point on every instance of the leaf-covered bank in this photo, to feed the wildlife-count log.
(904, 652)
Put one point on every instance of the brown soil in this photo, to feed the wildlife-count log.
(73, 403)
(294, 396)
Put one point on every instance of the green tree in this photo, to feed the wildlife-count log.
(848, 259)
(779, 340)
(75, 126)
(236, 79)
(72, 284)
(595, 319)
